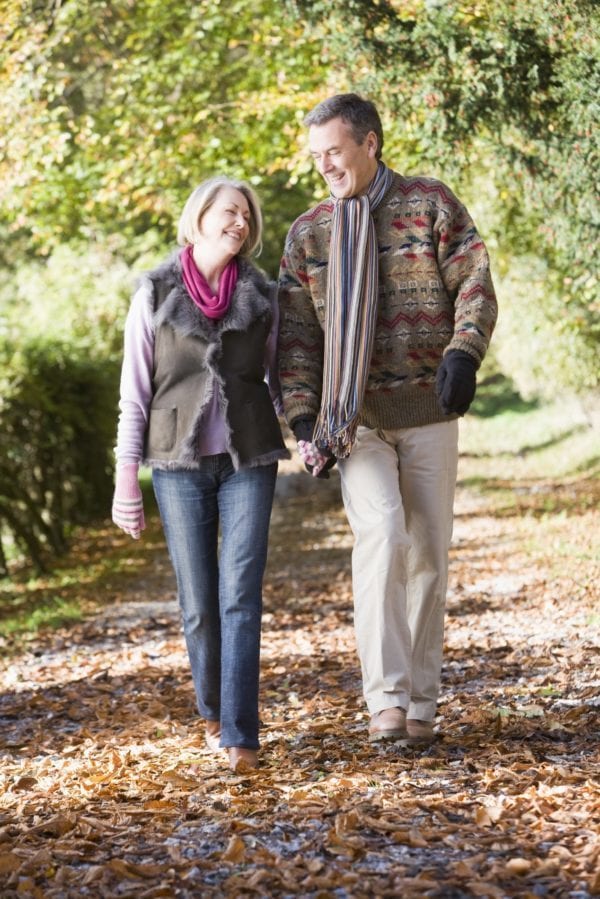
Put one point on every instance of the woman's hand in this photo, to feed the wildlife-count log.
(314, 460)
(128, 503)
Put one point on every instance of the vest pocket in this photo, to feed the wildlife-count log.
(162, 430)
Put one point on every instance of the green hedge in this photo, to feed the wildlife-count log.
(57, 421)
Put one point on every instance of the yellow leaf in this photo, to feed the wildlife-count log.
(485, 889)
(494, 812)
(28, 887)
(178, 780)
(482, 816)
(518, 865)
(346, 822)
(386, 826)
(235, 851)
(415, 838)
(463, 869)
(158, 805)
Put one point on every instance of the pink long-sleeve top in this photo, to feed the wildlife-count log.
(136, 385)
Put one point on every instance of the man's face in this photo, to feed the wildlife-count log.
(348, 167)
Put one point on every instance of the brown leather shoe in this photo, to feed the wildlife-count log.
(241, 759)
(212, 735)
(390, 724)
(419, 731)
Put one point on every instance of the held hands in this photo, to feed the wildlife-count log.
(128, 504)
(455, 382)
(315, 462)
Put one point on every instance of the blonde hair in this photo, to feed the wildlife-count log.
(202, 199)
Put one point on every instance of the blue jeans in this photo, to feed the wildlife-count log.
(220, 590)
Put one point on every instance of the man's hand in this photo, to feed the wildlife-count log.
(455, 382)
(128, 504)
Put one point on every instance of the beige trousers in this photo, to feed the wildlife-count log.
(398, 491)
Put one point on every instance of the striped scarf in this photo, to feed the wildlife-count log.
(350, 316)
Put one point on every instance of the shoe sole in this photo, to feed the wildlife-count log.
(394, 735)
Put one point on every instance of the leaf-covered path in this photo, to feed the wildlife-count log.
(107, 789)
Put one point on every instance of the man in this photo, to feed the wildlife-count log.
(387, 309)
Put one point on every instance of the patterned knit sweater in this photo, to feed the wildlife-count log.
(435, 294)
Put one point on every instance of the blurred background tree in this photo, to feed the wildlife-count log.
(110, 113)
(503, 101)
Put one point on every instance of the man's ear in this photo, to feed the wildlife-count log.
(372, 143)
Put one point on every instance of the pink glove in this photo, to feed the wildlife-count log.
(128, 504)
(310, 455)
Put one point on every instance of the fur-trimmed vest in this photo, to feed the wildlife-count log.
(195, 356)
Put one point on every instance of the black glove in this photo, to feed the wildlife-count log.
(455, 382)
(303, 429)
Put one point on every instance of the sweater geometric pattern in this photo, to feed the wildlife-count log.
(435, 294)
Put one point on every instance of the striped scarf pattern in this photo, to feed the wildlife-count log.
(350, 315)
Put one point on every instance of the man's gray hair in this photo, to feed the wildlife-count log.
(360, 114)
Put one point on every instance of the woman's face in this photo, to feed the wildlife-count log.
(225, 225)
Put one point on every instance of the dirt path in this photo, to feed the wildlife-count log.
(106, 788)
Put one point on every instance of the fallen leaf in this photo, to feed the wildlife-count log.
(518, 866)
(235, 851)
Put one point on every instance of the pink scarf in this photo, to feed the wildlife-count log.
(197, 285)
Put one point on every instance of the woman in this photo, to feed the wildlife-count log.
(195, 407)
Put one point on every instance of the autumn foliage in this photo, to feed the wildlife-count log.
(107, 788)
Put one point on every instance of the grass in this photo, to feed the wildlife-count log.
(54, 612)
(537, 464)
(531, 459)
(28, 604)
(97, 566)
(529, 440)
